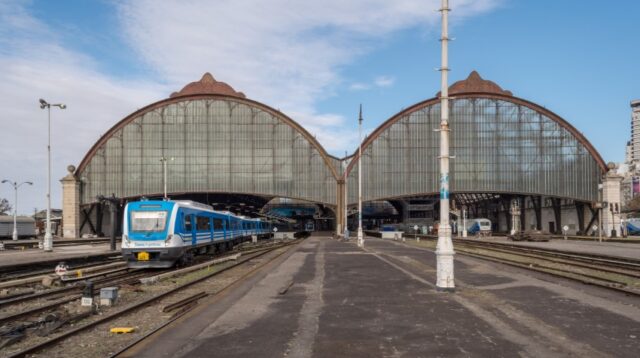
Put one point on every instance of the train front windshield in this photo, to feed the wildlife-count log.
(148, 221)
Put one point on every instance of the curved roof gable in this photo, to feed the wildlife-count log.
(207, 85)
(475, 86)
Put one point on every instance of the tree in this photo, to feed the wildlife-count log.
(5, 207)
(632, 207)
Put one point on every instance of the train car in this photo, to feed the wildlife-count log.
(633, 226)
(162, 233)
(26, 227)
(479, 227)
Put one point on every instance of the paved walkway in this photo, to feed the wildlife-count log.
(381, 302)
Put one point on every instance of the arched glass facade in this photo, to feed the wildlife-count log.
(218, 144)
(501, 145)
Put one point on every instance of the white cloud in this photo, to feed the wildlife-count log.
(384, 81)
(285, 53)
(359, 86)
(379, 82)
(35, 66)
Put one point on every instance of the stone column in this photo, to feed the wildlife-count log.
(70, 204)
(611, 185)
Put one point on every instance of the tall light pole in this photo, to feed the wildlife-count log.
(360, 234)
(444, 248)
(164, 174)
(346, 201)
(15, 186)
(48, 238)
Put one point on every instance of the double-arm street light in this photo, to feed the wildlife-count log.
(360, 233)
(48, 238)
(15, 186)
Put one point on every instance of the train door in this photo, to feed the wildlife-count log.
(194, 232)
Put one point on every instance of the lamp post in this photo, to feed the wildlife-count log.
(48, 238)
(164, 174)
(360, 235)
(444, 248)
(15, 186)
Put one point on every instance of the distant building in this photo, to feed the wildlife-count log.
(635, 132)
(630, 170)
(41, 219)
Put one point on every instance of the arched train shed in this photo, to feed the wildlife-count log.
(217, 142)
(506, 148)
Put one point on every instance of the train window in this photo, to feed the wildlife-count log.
(202, 223)
(187, 222)
(217, 224)
(148, 220)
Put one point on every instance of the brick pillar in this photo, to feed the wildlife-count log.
(70, 204)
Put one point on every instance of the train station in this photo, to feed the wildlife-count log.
(471, 223)
(220, 148)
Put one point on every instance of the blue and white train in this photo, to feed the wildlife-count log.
(479, 227)
(161, 233)
(633, 226)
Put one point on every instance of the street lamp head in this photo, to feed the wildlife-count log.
(28, 182)
(6, 181)
(62, 106)
(43, 104)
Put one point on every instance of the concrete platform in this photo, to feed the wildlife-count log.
(629, 250)
(59, 253)
(381, 302)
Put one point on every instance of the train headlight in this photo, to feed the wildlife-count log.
(167, 241)
(125, 240)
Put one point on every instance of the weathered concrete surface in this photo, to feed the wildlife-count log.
(381, 302)
(60, 253)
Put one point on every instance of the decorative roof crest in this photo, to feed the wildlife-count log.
(475, 83)
(207, 85)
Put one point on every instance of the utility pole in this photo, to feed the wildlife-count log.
(444, 248)
(360, 234)
(15, 186)
(48, 236)
(346, 201)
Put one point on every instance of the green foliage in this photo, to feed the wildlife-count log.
(5, 207)
(633, 205)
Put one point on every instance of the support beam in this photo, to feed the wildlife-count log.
(580, 214)
(87, 219)
(99, 214)
(556, 203)
(594, 217)
(537, 207)
(505, 200)
(523, 210)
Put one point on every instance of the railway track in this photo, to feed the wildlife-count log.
(19, 271)
(248, 255)
(615, 273)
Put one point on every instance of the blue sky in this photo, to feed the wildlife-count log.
(314, 60)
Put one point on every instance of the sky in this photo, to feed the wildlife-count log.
(316, 61)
